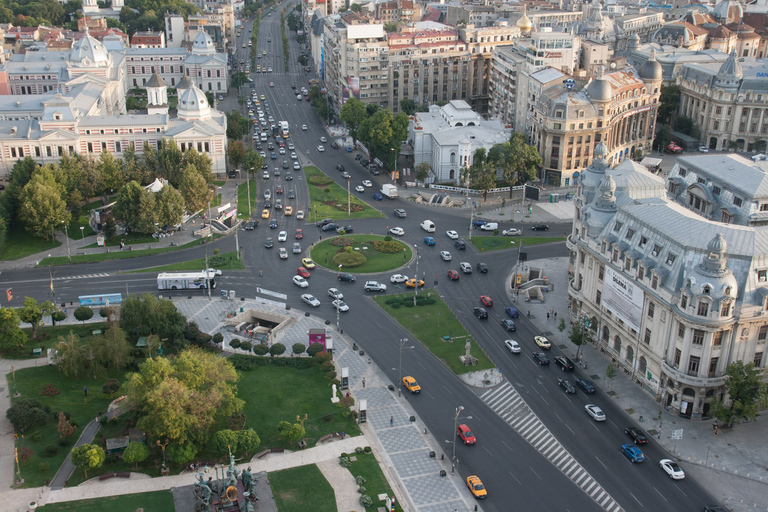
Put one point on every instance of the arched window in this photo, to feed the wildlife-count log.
(451, 174)
(617, 344)
(606, 334)
(453, 158)
(642, 365)
(593, 324)
(630, 354)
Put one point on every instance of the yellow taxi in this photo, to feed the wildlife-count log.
(264, 213)
(476, 487)
(262, 97)
(542, 342)
(243, 45)
(414, 283)
(411, 384)
(308, 263)
(264, 53)
(288, 211)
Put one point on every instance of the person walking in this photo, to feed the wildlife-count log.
(714, 426)
(85, 390)
(363, 382)
(391, 421)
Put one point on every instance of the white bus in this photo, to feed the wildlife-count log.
(185, 280)
(285, 128)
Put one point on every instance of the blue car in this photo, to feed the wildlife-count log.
(512, 312)
(632, 452)
(586, 385)
(429, 240)
(348, 149)
(478, 222)
(378, 196)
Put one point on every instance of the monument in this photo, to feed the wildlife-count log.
(334, 398)
(468, 359)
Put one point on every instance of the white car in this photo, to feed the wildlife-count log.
(671, 467)
(267, 195)
(398, 278)
(283, 253)
(704, 149)
(281, 150)
(340, 305)
(296, 166)
(594, 411)
(300, 215)
(359, 188)
(282, 236)
(452, 235)
(293, 156)
(304, 127)
(300, 282)
(446, 255)
(512, 232)
(367, 183)
(397, 231)
(335, 293)
(323, 139)
(214, 271)
(310, 299)
(465, 267)
(320, 148)
(513, 346)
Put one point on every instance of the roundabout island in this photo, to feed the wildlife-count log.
(363, 254)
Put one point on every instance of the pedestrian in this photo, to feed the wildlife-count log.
(391, 421)
(363, 382)
(715, 427)
(85, 390)
(555, 313)
(547, 315)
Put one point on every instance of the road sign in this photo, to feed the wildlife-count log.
(677, 434)
(569, 83)
(271, 293)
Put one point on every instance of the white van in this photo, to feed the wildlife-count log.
(490, 226)
(428, 226)
(263, 136)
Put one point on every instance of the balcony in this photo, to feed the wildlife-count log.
(692, 380)
(574, 291)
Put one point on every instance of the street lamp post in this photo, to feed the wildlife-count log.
(66, 235)
(455, 426)
(248, 187)
(416, 288)
(338, 304)
(82, 232)
(162, 447)
(400, 379)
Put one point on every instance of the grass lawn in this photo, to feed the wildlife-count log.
(242, 198)
(74, 226)
(199, 264)
(129, 239)
(71, 399)
(21, 243)
(375, 482)
(495, 243)
(301, 489)
(157, 501)
(216, 201)
(114, 255)
(333, 202)
(429, 327)
(48, 337)
(283, 393)
(376, 261)
(218, 183)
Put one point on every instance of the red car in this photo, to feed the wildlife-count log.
(278, 189)
(303, 272)
(465, 434)
(453, 275)
(299, 234)
(486, 300)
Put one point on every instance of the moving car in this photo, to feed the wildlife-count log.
(414, 283)
(476, 487)
(303, 127)
(300, 282)
(398, 278)
(288, 211)
(377, 197)
(299, 234)
(452, 235)
(465, 434)
(566, 385)
(320, 148)
(465, 267)
(345, 175)
(269, 243)
(283, 253)
(310, 299)
(303, 272)
(308, 263)
(596, 412)
(429, 240)
(397, 231)
(671, 467)
(564, 363)
(346, 276)
(347, 229)
(374, 286)
(411, 384)
(482, 267)
(453, 275)
(481, 313)
(632, 452)
(335, 293)
(636, 434)
(508, 325)
(282, 236)
(340, 305)
(296, 248)
(512, 232)
(586, 386)
(250, 225)
(446, 255)
(541, 358)
(367, 183)
(512, 312)
(273, 224)
(542, 342)
(460, 245)
(399, 212)
(322, 223)
(323, 139)
(540, 227)
(512, 346)
(300, 215)
(296, 166)
(486, 300)
(331, 227)
(359, 188)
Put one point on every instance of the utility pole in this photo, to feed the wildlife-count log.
(207, 280)
(349, 200)
(248, 187)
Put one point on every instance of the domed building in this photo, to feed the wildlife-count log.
(524, 23)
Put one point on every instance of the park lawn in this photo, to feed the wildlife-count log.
(71, 399)
(322, 253)
(376, 483)
(242, 198)
(20, 243)
(199, 264)
(283, 393)
(129, 239)
(156, 501)
(115, 255)
(48, 337)
(218, 183)
(301, 489)
(75, 224)
(495, 243)
(324, 204)
(429, 323)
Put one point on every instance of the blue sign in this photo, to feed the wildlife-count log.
(569, 83)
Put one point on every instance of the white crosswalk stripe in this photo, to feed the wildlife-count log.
(507, 403)
(85, 276)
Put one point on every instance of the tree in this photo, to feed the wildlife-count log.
(610, 373)
(72, 356)
(355, 7)
(353, 113)
(65, 429)
(83, 313)
(408, 106)
(247, 441)
(390, 27)
(236, 152)
(88, 456)
(145, 315)
(235, 344)
(237, 125)
(110, 387)
(276, 349)
(170, 206)
(42, 208)
(315, 348)
(298, 348)
(194, 189)
(561, 327)
(30, 313)
(422, 171)
(252, 161)
(48, 308)
(136, 452)
(26, 413)
(260, 349)
(482, 173)
(181, 453)
(685, 125)
(111, 171)
(112, 350)
(237, 80)
(663, 138)
(127, 205)
(518, 160)
(670, 102)
(747, 394)
(246, 346)
(225, 441)
(181, 399)
(293, 433)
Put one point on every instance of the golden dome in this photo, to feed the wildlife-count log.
(524, 23)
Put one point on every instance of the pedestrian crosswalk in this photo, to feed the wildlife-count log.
(507, 403)
(84, 276)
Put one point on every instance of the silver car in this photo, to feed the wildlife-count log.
(296, 248)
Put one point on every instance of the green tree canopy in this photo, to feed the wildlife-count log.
(353, 114)
(145, 315)
(237, 125)
(746, 394)
(88, 456)
(43, 209)
(247, 441)
(670, 102)
(225, 441)
(170, 206)
(26, 413)
(31, 313)
(291, 432)
(83, 313)
(194, 189)
(136, 452)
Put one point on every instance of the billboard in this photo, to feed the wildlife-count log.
(622, 298)
(352, 89)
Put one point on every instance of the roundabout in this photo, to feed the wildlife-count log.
(363, 254)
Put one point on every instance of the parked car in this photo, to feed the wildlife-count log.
(586, 386)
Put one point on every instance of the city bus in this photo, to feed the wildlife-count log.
(285, 128)
(185, 280)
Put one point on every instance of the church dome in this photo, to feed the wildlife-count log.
(601, 151)
(524, 23)
(728, 11)
(88, 51)
(731, 68)
(193, 105)
(650, 69)
(600, 89)
(203, 44)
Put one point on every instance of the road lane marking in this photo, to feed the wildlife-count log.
(535, 473)
(659, 493)
(637, 500)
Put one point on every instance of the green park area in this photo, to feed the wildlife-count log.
(291, 489)
(20, 244)
(329, 200)
(242, 198)
(113, 255)
(362, 254)
(495, 243)
(433, 324)
(226, 261)
(157, 501)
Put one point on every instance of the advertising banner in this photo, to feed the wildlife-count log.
(622, 298)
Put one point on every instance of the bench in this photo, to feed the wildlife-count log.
(262, 454)
(325, 438)
(277, 450)
(96, 332)
(123, 474)
(107, 476)
(37, 351)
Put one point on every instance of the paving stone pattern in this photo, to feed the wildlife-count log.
(401, 439)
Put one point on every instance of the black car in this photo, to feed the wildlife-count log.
(508, 325)
(269, 243)
(358, 156)
(335, 145)
(564, 363)
(566, 385)
(364, 162)
(273, 224)
(540, 227)
(586, 386)
(330, 227)
(267, 205)
(347, 277)
(399, 212)
(323, 222)
(460, 245)
(271, 145)
(291, 194)
(636, 434)
(481, 313)
(232, 173)
(541, 358)
(285, 165)
(482, 267)
(339, 167)
(288, 177)
(251, 224)
(346, 229)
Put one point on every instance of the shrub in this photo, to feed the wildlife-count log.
(342, 241)
(242, 362)
(110, 387)
(344, 462)
(103, 420)
(349, 259)
(361, 489)
(83, 313)
(49, 390)
(191, 331)
(105, 312)
(260, 349)
(43, 467)
(26, 413)
(359, 449)
(388, 238)
(235, 344)
(51, 451)
(331, 375)
(387, 246)
(65, 441)
(315, 349)
(25, 453)
(327, 367)
(366, 500)
(276, 349)
(341, 232)
(237, 421)
(367, 449)
(298, 348)
(346, 401)
(246, 346)
(37, 436)
(218, 338)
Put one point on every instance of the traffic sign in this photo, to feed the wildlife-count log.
(271, 293)
(569, 83)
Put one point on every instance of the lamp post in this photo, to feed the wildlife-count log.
(416, 288)
(66, 235)
(402, 343)
(82, 232)
(455, 426)
(349, 199)
(248, 187)
(338, 304)
(162, 447)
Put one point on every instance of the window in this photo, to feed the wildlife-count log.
(615, 254)
(698, 337)
(654, 281)
(762, 333)
(117, 147)
(758, 359)
(617, 227)
(737, 201)
(693, 365)
(557, 126)
(725, 309)
(713, 366)
(656, 250)
(642, 242)
(598, 297)
(601, 273)
(640, 272)
(671, 259)
(630, 234)
(680, 330)
(703, 308)
(678, 355)
(651, 309)
(647, 338)
(762, 275)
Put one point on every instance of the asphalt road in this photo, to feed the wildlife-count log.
(510, 468)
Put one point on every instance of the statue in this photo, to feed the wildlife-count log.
(467, 359)
(247, 479)
(232, 473)
(334, 398)
(467, 346)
